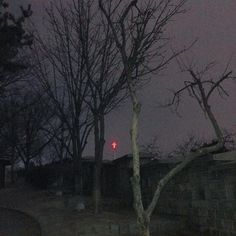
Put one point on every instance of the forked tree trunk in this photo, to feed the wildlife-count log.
(131, 62)
(143, 215)
(143, 219)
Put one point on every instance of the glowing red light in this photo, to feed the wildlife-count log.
(114, 145)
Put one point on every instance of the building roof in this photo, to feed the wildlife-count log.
(143, 157)
(130, 155)
(224, 157)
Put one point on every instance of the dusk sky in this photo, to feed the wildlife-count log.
(213, 23)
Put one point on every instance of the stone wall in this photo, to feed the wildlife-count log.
(203, 196)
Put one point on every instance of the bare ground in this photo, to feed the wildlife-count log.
(53, 217)
(57, 220)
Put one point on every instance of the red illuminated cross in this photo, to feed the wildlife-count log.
(114, 145)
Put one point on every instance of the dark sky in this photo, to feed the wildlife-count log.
(213, 23)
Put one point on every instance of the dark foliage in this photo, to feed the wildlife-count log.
(12, 37)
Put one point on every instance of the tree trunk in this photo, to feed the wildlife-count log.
(145, 230)
(99, 146)
(61, 156)
(12, 173)
(97, 188)
(77, 164)
(77, 168)
(142, 218)
(144, 224)
(12, 165)
(60, 174)
(26, 164)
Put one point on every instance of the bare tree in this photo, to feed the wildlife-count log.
(107, 89)
(189, 144)
(138, 29)
(60, 68)
(9, 131)
(152, 147)
(85, 62)
(60, 147)
(22, 120)
(229, 140)
(31, 138)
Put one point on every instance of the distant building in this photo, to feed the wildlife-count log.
(122, 172)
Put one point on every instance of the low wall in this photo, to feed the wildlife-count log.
(203, 196)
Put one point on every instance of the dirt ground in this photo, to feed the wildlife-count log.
(49, 211)
(54, 219)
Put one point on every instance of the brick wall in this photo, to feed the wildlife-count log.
(203, 196)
